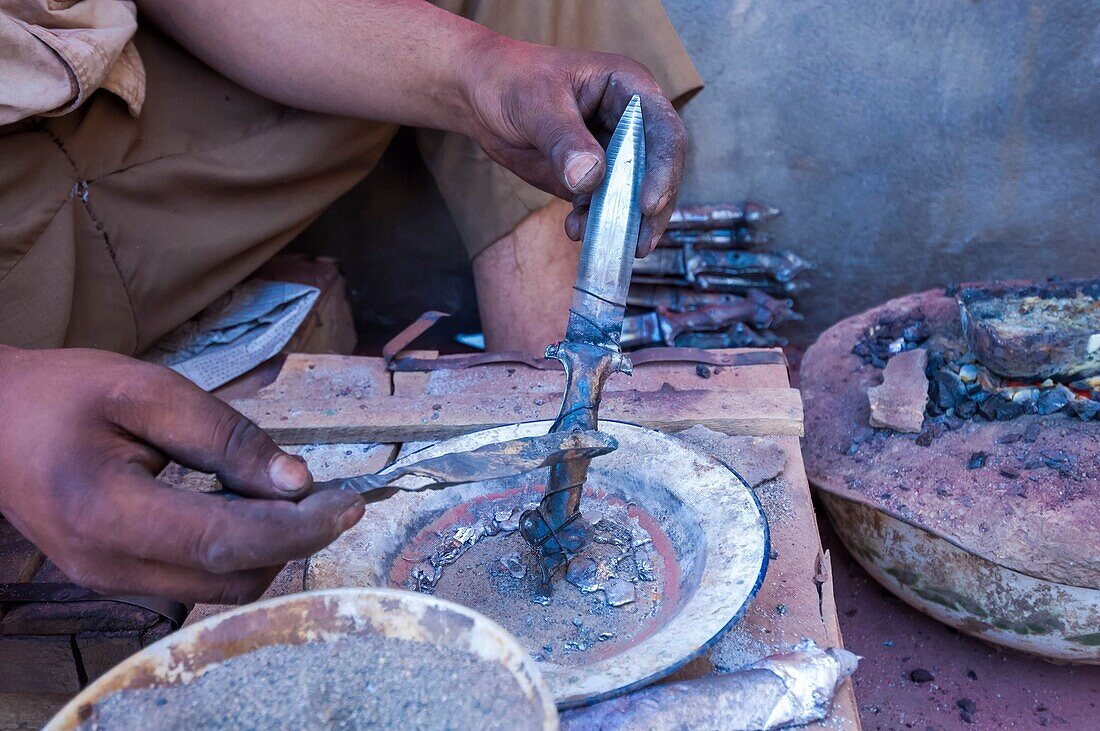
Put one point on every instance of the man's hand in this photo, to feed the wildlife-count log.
(539, 110)
(82, 436)
(531, 107)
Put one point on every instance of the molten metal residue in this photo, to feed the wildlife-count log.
(618, 592)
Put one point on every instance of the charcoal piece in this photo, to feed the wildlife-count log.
(1031, 433)
(965, 409)
(920, 675)
(932, 430)
(889, 337)
(987, 407)
(1085, 409)
(999, 408)
(977, 461)
(1053, 399)
(949, 388)
(1010, 410)
(1056, 459)
(583, 573)
(917, 332)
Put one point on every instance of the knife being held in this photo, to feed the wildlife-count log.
(489, 462)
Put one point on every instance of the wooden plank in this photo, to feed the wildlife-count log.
(492, 379)
(306, 376)
(37, 665)
(29, 711)
(101, 651)
(497, 377)
(749, 412)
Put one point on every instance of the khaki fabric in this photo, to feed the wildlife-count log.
(55, 53)
(115, 228)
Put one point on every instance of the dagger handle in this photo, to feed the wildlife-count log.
(556, 527)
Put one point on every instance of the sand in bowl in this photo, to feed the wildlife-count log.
(357, 682)
(613, 596)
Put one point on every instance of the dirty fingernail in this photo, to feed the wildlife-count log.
(578, 168)
(350, 517)
(662, 202)
(288, 474)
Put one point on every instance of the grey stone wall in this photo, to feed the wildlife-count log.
(909, 144)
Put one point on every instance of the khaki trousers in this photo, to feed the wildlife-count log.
(116, 229)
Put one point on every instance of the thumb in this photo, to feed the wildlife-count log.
(574, 154)
(202, 432)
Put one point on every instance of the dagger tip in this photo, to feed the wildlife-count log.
(632, 115)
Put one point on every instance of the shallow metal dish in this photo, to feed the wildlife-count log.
(712, 520)
(317, 616)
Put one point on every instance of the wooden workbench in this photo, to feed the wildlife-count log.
(352, 401)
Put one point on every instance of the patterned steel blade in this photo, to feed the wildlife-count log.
(611, 238)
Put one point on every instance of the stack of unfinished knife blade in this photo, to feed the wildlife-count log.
(711, 284)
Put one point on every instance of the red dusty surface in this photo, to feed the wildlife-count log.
(1014, 510)
(1007, 690)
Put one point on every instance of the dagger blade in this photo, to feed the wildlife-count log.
(610, 238)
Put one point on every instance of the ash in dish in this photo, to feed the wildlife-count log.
(612, 596)
(617, 559)
(458, 540)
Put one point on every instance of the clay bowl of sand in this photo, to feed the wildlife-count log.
(680, 548)
(339, 658)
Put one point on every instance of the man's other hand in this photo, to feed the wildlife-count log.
(539, 111)
(82, 436)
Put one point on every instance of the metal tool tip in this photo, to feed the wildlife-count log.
(633, 109)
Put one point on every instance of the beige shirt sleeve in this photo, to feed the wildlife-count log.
(55, 53)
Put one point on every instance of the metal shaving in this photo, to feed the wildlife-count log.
(513, 565)
(617, 561)
(460, 539)
(614, 573)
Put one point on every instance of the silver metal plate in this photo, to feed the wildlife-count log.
(716, 534)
